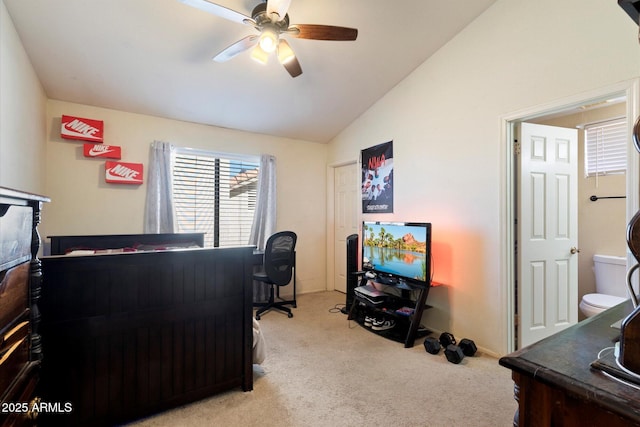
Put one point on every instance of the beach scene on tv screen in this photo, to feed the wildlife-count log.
(396, 249)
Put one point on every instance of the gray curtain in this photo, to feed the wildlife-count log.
(264, 218)
(159, 214)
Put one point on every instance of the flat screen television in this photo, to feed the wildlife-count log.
(397, 251)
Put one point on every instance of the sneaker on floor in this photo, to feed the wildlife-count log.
(384, 326)
(368, 321)
(377, 322)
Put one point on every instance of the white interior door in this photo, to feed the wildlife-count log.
(547, 231)
(346, 219)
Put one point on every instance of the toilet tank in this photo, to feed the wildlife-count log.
(611, 275)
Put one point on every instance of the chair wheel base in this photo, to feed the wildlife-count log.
(289, 315)
(257, 317)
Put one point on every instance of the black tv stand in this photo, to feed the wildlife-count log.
(401, 296)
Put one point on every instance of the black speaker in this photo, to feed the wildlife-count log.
(352, 268)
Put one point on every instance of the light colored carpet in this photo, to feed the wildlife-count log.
(323, 370)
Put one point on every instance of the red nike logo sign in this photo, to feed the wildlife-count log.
(80, 128)
(123, 173)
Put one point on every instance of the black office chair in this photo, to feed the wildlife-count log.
(279, 258)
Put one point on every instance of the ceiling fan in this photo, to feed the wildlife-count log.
(271, 20)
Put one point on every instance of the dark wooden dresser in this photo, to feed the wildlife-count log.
(20, 282)
(556, 386)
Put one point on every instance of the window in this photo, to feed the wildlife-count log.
(606, 147)
(215, 194)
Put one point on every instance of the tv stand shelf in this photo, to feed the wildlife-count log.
(407, 326)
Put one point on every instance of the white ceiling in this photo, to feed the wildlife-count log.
(154, 57)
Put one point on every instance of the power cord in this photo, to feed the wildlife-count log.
(625, 370)
(621, 381)
(337, 308)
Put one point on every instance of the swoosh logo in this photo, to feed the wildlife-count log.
(74, 133)
(115, 177)
(94, 153)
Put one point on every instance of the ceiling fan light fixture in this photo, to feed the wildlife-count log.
(285, 53)
(268, 39)
(259, 55)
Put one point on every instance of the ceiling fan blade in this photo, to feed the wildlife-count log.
(288, 59)
(237, 48)
(278, 6)
(218, 10)
(322, 32)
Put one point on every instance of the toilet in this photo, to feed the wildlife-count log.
(611, 285)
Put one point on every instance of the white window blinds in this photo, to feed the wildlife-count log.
(606, 147)
(215, 194)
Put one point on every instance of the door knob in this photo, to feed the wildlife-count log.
(574, 250)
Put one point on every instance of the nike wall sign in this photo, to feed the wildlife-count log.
(82, 129)
(123, 173)
(102, 150)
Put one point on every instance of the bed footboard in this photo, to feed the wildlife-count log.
(128, 335)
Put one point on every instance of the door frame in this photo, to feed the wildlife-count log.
(630, 89)
(331, 286)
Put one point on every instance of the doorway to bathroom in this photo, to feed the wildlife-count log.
(601, 196)
(601, 221)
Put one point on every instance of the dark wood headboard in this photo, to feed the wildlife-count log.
(60, 245)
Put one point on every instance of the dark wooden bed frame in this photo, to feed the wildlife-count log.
(131, 334)
(60, 245)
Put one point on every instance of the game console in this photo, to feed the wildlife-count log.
(371, 294)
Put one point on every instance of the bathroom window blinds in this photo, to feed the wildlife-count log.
(606, 147)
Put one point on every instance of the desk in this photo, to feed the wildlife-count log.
(554, 384)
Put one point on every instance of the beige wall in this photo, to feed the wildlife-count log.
(449, 149)
(82, 203)
(22, 114)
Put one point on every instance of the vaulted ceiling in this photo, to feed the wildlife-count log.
(154, 57)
